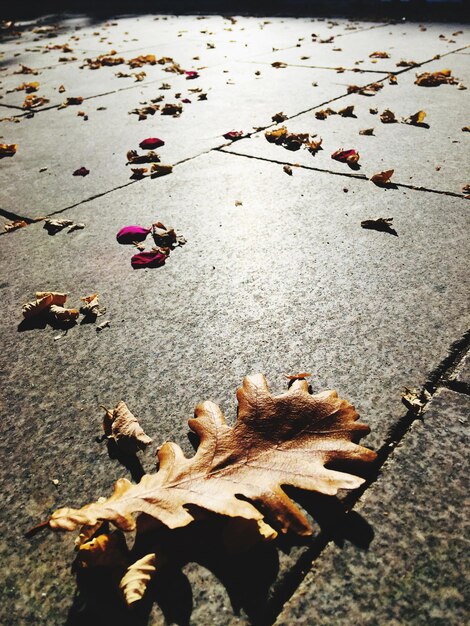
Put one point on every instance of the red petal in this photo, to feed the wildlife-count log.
(234, 134)
(191, 74)
(129, 234)
(82, 171)
(151, 143)
(148, 259)
(343, 155)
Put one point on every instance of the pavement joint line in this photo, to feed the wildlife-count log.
(459, 386)
(436, 380)
(452, 194)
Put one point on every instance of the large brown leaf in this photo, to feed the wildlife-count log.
(277, 440)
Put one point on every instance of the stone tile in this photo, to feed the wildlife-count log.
(462, 374)
(400, 41)
(236, 100)
(430, 157)
(286, 281)
(415, 569)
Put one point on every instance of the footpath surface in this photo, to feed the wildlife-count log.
(277, 276)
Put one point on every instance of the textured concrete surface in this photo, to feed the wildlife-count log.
(415, 570)
(277, 277)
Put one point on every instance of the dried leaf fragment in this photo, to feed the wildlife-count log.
(414, 400)
(379, 55)
(366, 131)
(158, 169)
(91, 307)
(324, 113)
(347, 111)
(382, 178)
(122, 426)
(44, 299)
(61, 314)
(148, 157)
(104, 550)
(388, 117)
(279, 117)
(172, 109)
(416, 119)
(287, 169)
(33, 102)
(14, 225)
(135, 581)
(279, 64)
(383, 224)
(8, 149)
(434, 79)
(73, 100)
(277, 440)
(53, 226)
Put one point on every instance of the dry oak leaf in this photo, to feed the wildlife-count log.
(277, 440)
(91, 306)
(122, 426)
(388, 117)
(137, 577)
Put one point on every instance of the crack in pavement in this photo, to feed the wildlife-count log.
(436, 380)
(346, 174)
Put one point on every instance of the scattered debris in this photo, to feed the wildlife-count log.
(102, 326)
(287, 169)
(148, 157)
(279, 64)
(172, 109)
(324, 113)
(158, 169)
(366, 131)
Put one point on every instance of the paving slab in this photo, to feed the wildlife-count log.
(286, 281)
(400, 41)
(236, 100)
(432, 157)
(415, 570)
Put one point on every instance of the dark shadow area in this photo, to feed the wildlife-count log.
(364, 9)
(130, 461)
(230, 548)
(40, 321)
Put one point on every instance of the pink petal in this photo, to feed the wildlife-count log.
(233, 135)
(191, 74)
(186, 101)
(151, 143)
(129, 234)
(82, 171)
(148, 259)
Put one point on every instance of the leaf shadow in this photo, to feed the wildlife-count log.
(43, 320)
(229, 548)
